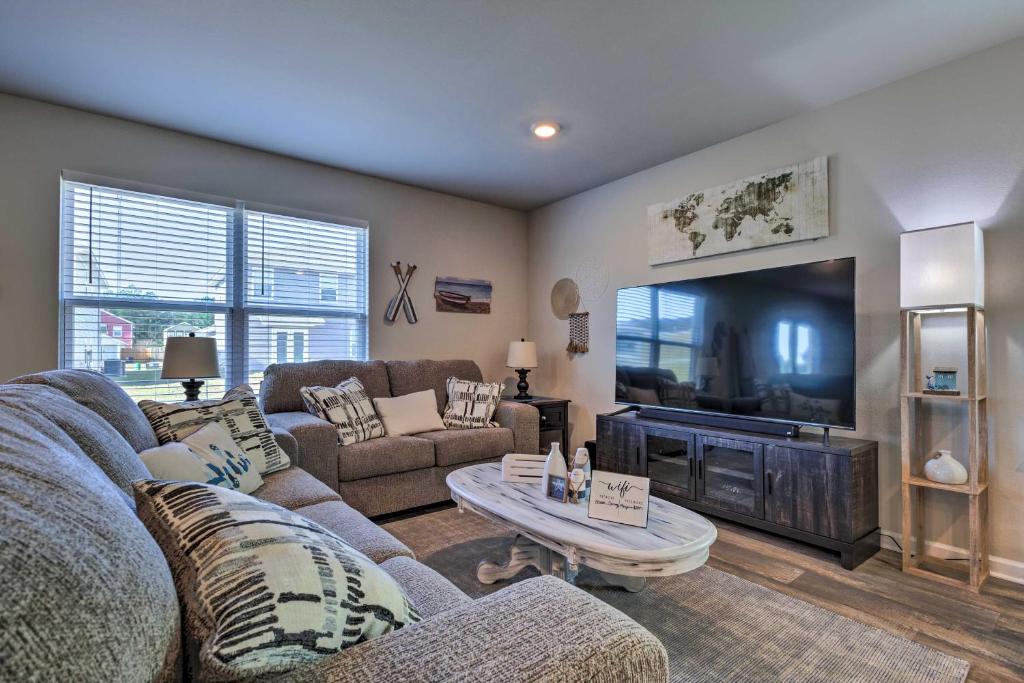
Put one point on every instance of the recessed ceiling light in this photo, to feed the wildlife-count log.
(545, 129)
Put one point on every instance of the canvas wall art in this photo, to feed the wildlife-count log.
(782, 206)
(456, 295)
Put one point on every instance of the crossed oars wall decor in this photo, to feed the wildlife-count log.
(402, 299)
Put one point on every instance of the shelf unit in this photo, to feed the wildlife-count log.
(912, 398)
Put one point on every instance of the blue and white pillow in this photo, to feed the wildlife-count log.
(209, 456)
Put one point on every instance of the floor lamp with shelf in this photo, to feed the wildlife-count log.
(938, 267)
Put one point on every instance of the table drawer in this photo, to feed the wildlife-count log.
(552, 417)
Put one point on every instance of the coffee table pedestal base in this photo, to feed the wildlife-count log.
(525, 553)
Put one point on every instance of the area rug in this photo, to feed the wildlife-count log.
(715, 626)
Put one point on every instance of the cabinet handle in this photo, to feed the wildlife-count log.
(768, 480)
(700, 469)
(638, 456)
(543, 418)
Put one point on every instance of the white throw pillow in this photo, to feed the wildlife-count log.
(410, 414)
(208, 456)
(470, 404)
(348, 406)
(238, 413)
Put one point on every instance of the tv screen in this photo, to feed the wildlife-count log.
(775, 344)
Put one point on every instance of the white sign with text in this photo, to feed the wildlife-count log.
(619, 498)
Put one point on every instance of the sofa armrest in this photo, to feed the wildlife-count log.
(537, 630)
(286, 442)
(524, 421)
(316, 440)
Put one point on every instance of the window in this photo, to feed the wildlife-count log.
(658, 327)
(138, 268)
(796, 348)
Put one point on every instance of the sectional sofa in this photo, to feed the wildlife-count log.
(86, 594)
(392, 473)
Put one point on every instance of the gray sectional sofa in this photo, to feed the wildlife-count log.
(86, 594)
(393, 473)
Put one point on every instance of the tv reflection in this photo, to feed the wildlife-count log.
(775, 344)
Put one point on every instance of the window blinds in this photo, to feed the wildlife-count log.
(137, 268)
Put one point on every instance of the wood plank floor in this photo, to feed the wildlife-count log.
(986, 629)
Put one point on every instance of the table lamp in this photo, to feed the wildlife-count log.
(522, 357)
(707, 370)
(187, 358)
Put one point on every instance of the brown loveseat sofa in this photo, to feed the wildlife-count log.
(392, 473)
(86, 594)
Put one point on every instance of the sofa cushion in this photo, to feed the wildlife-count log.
(428, 590)
(386, 455)
(347, 407)
(238, 412)
(209, 455)
(408, 376)
(294, 488)
(356, 530)
(279, 391)
(90, 432)
(85, 592)
(456, 446)
(265, 590)
(101, 395)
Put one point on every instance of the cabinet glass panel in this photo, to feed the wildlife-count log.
(669, 461)
(729, 478)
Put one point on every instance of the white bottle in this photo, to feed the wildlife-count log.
(554, 466)
(582, 462)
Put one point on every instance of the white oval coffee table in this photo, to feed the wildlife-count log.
(557, 538)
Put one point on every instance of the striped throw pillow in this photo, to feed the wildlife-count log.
(470, 404)
(238, 412)
(346, 406)
(264, 589)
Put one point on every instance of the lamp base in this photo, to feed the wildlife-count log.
(523, 386)
(192, 387)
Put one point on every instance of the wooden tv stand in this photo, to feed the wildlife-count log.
(822, 494)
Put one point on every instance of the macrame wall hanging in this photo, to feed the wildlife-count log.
(569, 295)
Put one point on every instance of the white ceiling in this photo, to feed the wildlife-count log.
(441, 93)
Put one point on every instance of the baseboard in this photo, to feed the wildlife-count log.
(999, 567)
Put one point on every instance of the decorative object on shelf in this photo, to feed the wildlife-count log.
(402, 299)
(456, 295)
(620, 498)
(189, 358)
(942, 271)
(945, 469)
(579, 333)
(778, 207)
(522, 357)
(707, 370)
(565, 298)
(523, 468)
(942, 381)
(555, 474)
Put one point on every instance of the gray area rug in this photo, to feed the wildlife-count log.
(715, 626)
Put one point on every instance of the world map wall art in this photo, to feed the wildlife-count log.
(782, 206)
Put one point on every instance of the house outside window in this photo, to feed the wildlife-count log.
(138, 267)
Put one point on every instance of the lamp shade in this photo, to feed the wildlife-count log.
(190, 357)
(522, 354)
(707, 366)
(942, 267)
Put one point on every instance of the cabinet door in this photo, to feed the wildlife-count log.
(808, 490)
(671, 461)
(620, 448)
(730, 475)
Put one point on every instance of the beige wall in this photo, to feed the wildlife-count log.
(442, 235)
(941, 147)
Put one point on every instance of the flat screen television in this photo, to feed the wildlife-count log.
(777, 345)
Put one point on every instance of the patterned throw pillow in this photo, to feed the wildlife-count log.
(470, 404)
(677, 394)
(775, 398)
(238, 412)
(210, 455)
(348, 406)
(264, 589)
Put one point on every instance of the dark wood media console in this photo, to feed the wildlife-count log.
(821, 494)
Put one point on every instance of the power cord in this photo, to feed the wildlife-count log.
(948, 559)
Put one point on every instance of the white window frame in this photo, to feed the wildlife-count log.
(237, 309)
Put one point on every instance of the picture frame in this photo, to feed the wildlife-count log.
(620, 498)
(557, 488)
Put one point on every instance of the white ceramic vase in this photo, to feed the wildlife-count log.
(944, 468)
